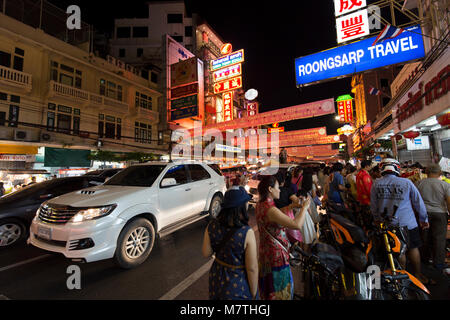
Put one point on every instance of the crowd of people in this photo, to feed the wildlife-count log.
(288, 212)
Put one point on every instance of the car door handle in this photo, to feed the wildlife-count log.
(188, 189)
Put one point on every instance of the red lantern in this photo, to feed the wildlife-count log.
(398, 137)
(411, 134)
(444, 120)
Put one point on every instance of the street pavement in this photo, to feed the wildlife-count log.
(175, 270)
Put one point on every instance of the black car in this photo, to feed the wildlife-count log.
(104, 174)
(18, 209)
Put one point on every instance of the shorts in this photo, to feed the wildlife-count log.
(414, 239)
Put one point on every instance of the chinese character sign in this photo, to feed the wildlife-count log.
(345, 110)
(352, 26)
(346, 6)
(228, 85)
(227, 106)
(228, 72)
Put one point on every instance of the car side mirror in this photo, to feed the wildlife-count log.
(168, 182)
(45, 196)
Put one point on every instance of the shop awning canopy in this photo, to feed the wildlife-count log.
(17, 149)
(56, 157)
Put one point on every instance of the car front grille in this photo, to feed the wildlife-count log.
(56, 215)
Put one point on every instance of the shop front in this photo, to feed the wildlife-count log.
(421, 116)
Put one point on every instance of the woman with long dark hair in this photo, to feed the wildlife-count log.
(234, 273)
(275, 276)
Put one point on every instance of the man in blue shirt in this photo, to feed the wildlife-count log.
(337, 185)
(392, 191)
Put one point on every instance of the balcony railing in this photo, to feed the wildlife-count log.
(16, 78)
(86, 97)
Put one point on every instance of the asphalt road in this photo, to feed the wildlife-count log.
(175, 270)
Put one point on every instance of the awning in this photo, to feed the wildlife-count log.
(55, 157)
(24, 171)
(17, 149)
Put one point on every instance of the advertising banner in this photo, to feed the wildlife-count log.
(352, 26)
(301, 111)
(359, 56)
(184, 102)
(228, 72)
(184, 91)
(183, 72)
(346, 6)
(233, 58)
(227, 85)
(228, 106)
(184, 113)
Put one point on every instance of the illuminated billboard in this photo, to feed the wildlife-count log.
(233, 58)
(359, 56)
(227, 85)
(228, 72)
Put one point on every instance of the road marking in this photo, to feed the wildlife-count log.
(2, 297)
(186, 283)
(24, 262)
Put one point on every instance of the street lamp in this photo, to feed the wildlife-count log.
(337, 118)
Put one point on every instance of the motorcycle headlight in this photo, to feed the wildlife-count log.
(93, 213)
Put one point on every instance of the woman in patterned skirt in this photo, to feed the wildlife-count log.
(275, 277)
(234, 273)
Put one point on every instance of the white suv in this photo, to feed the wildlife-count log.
(120, 218)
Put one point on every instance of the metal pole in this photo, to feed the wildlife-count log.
(4, 7)
(392, 13)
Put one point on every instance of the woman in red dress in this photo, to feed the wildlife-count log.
(275, 277)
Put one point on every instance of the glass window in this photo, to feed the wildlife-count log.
(198, 172)
(121, 52)
(51, 106)
(50, 121)
(188, 31)
(102, 87)
(178, 173)
(64, 123)
(100, 129)
(19, 51)
(139, 52)
(178, 38)
(67, 68)
(123, 32)
(140, 32)
(15, 98)
(2, 118)
(154, 78)
(110, 130)
(119, 131)
(18, 63)
(13, 116)
(136, 176)
(3, 96)
(174, 18)
(65, 79)
(54, 75)
(216, 168)
(5, 59)
(76, 125)
(78, 83)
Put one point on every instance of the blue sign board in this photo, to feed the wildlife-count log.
(184, 113)
(359, 56)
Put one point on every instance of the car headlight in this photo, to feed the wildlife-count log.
(92, 213)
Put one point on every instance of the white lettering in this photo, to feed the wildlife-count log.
(404, 44)
(371, 49)
(301, 70)
(379, 50)
(344, 60)
(352, 57)
(395, 46)
(337, 61)
(316, 66)
(360, 54)
(411, 44)
(330, 63)
(388, 49)
(308, 68)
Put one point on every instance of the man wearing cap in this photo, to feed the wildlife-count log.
(436, 196)
(397, 197)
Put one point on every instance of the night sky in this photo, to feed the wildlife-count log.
(272, 34)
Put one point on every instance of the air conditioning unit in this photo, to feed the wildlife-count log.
(21, 135)
(45, 137)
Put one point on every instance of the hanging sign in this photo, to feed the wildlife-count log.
(228, 85)
(228, 106)
(232, 58)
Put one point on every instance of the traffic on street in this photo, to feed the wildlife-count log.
(173, 151)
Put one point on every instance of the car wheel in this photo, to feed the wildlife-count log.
(11, 232)
(135, 243)
(215, 206)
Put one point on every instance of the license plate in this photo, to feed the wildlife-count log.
(45, 233)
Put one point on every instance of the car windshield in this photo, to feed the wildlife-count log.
(136, 176)
(29, 191)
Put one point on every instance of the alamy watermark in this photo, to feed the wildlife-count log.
(74, 20)
(74, 280)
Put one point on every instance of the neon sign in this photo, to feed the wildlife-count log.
(227, 85)
(359, 56)
(228, 72)
(228, 106)
(232, 58)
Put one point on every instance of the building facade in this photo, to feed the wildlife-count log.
(56, 94)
